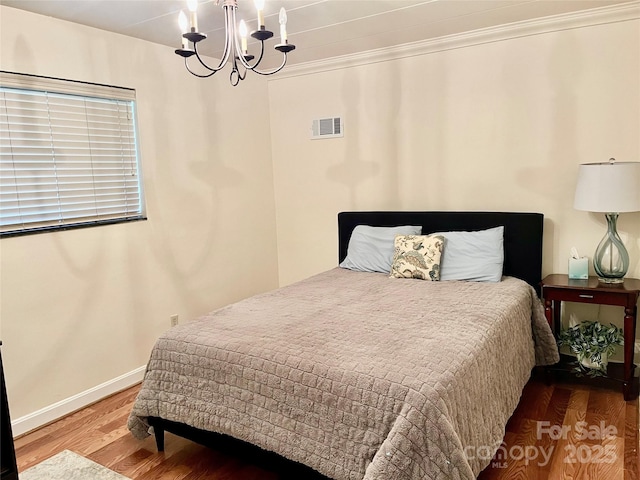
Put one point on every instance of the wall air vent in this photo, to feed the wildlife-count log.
(330, 127)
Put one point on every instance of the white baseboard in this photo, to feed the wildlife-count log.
(69, 405)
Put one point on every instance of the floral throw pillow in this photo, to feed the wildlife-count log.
(417, 256)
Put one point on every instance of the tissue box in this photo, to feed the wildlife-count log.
(579, 268)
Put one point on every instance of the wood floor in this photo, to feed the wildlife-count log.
(535, 445)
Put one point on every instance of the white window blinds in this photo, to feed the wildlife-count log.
(66, 159)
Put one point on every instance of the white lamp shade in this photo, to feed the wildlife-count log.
(608, 187)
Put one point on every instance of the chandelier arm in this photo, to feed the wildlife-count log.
(229, 30)
(211, 69)
(257, 62)
(206, 75)
(238, 53)
(275, 70)
(235, 76)
(243, 75)
(227, 46)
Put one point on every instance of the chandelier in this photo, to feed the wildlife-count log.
(235, 45)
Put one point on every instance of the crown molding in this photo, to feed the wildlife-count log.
(568, 21)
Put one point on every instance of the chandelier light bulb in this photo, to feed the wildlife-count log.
(283, 25)
(192, 5)
(260, 8)
(183, 23)
(242, 29)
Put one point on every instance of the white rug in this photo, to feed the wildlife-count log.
(67, 465)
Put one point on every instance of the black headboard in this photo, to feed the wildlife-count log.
(522, 234)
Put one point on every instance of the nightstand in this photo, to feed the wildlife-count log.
(559, 288)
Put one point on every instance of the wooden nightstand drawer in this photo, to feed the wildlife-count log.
(593, 296)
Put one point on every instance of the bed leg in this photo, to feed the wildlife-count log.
(158, 432)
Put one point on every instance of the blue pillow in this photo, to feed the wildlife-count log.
(371, 248)
(475, 256)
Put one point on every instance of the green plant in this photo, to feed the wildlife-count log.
(592, 343)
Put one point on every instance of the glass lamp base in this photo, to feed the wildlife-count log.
(611, 281)
(611, 260)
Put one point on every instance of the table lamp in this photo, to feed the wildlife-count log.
(611, 188)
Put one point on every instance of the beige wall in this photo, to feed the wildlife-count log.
(497, 126)
(79, 308)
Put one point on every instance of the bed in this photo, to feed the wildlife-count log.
(359, 375)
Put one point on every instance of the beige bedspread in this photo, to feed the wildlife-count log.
(356, 374)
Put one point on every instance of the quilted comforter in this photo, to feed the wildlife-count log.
(357, 375)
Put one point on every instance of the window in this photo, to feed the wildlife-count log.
(68, 155)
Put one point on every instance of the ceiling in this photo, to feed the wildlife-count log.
(320, 29)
